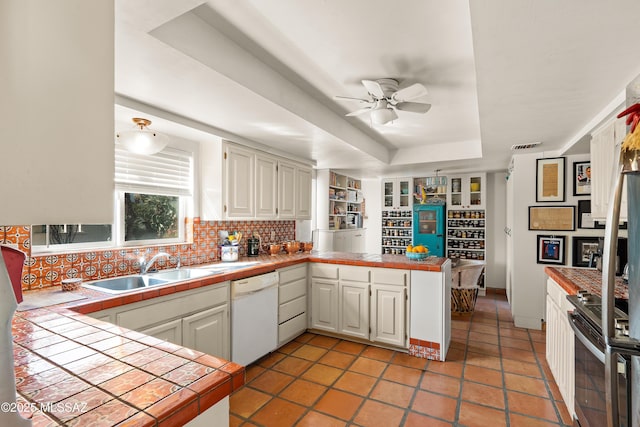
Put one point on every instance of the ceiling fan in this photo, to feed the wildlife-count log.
(386, 98)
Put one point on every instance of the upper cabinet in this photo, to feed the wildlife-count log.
(57, 112)
(397, 194)
(241, 183)
(605, 150)
(467, 191)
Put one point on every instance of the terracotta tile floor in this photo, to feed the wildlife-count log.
(495, 375)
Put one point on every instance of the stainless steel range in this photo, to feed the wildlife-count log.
(590, 350)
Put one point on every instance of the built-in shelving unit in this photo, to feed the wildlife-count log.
(466, 234)
(396, 231)
(345, 202)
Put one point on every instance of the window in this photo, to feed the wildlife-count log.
(153, 194)
(153, 191)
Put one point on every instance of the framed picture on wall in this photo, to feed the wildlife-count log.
(550, 175)
(552, 218)
(583, 247)
(551, 249)
(581, 178)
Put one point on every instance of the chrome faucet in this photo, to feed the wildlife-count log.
(145, 266)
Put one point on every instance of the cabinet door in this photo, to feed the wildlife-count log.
(169, 331)
(239, 182)
(324, 305)
(388, 314)
(603, 161)
(388, 193)
(342, 241)
(266, 188)
(405, 198)
(354, 309)
(475, 191)
(208, 331)
(455, 195)
(357, 241)
(303, 194)
(286, 191)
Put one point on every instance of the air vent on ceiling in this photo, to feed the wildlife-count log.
(525, 146)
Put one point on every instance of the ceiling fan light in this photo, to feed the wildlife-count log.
(142, 140)
(383, 115)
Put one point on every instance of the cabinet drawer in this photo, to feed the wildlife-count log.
(324, 271)
(292, 308)
(292, 328)
(293, 273)
(390, 276)
(292, 290)
(355, 274)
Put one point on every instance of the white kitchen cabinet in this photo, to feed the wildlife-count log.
(397, 194)
(303, 193)
(605, 150)
(354, 301)
(198, 319)
(286, 190)
(292, 300)
(324, 297)
(239, 178)
(266, 187)
(238, 182)
(467, 191)
(388, 306)
(560, 348)
(170, 331)
(206, 331)
(362, 302)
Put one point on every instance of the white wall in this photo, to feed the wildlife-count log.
(495, 237)
(528, 278)
(372, 193)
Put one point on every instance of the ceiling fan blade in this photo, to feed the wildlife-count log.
(348, 98)
(416, 90)
(414, 107)
(360, 111)
(373, 88)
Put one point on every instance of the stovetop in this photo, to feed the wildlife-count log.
(590, 307)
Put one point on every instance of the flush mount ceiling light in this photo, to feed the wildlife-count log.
(382, 113)
(142, 140)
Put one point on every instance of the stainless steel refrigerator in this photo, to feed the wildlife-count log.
(622, 340)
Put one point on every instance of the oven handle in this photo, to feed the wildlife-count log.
(586, 341)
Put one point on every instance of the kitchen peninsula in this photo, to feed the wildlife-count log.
(101, 364)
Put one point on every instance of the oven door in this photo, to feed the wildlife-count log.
(590, 400)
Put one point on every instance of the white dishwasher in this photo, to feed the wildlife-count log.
(254, 317)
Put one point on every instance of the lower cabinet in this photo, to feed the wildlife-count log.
(206, 331)
(292, 300)
(560, 345)
(169, 331)
(197, 319)
(360, 302)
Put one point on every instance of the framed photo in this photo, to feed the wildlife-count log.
(551, 249)
(583, 247)
(550, 175)
(552, 218)
(581, 178)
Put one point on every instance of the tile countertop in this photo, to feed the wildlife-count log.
(72, 369)
(574, 279)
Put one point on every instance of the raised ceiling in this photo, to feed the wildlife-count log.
(498, 73)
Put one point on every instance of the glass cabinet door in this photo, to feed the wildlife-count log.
(475, 190)
(456, 192)
(404, 193)
(388, 194)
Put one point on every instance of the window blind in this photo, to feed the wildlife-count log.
(169, 172)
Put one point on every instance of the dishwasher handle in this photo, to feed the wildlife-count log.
(239, 294)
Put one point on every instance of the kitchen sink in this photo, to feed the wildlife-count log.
(117, 285)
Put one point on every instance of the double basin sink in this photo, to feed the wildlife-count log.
(118, 285)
